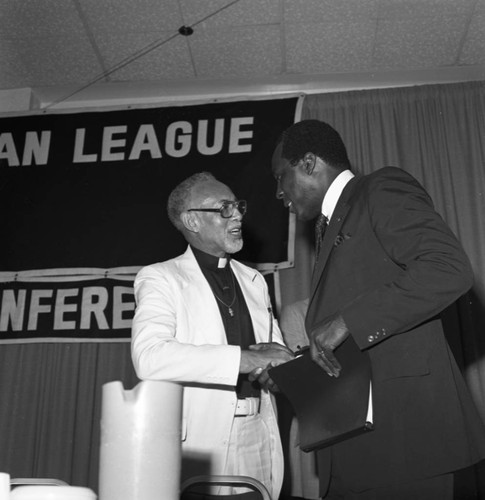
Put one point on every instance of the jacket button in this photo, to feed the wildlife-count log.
(370, 338)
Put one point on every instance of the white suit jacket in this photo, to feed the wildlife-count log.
(178, 335)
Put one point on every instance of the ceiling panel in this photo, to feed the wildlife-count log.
(473, 51)
(237, 51)
(170, 60)
(31, 62)
(417, 43)
(32, 19)
(335, 47)
(128, 16)
(418, 9)
(330, 11)
(227, 13)
(72, 42)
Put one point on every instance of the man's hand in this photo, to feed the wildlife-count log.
(261, 375)
(260, 357)
(265, 346)
(324, 339)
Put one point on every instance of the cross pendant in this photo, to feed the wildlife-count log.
(231, 312)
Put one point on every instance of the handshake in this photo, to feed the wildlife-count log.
(259, 358)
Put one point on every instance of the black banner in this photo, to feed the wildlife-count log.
(90, 189)
(87, 192)
(66, 310)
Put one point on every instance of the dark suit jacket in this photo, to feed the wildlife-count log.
(389, 264)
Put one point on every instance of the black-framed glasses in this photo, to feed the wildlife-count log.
(226, 210)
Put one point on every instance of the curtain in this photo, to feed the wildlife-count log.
(51, 407)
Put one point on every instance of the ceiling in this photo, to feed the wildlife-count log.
(80, 43)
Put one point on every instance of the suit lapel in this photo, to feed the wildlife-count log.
(333, 229)
(331, 233)
(202, 306)
(252, 285)
(199, 300)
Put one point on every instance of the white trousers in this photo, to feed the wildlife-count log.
(249, 452)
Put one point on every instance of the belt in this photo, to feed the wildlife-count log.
(246, 407)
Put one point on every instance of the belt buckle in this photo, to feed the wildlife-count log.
(253, 406)
(247, 407)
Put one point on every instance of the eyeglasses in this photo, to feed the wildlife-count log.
(226, 210)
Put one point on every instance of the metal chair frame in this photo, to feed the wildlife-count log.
(247, 481)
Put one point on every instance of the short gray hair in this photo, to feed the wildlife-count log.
(177, 199)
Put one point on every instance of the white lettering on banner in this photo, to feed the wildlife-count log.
(207, 137)
(145, 140)
(109, 143)
(36, 147)
(94, 302)
(183, 140)
(36, 307)
(118, 320)
(61, 308)
(12, 310)
(8, 150)
(202, 145)
(179, 140)
(237, 134)
(79, 156)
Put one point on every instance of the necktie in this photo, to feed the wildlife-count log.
(320, 227)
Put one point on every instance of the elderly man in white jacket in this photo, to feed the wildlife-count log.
(204, 320)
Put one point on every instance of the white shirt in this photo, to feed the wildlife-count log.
(334, 191)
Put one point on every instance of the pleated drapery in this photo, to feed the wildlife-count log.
(50, 407)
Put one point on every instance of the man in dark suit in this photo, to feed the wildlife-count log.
(387, 266)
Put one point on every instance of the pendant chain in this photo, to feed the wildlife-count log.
(229, 306)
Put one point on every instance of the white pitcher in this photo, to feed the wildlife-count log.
(140, 454)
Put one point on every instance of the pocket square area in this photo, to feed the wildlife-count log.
(341, 238)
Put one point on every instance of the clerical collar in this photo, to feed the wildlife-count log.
(334, 191)
(209, 261)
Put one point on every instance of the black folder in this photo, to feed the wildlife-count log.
(328, 409)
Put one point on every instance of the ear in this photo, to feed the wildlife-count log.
(190, 221)
(309, 161)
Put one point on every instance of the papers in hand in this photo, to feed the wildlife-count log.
(328, 409)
